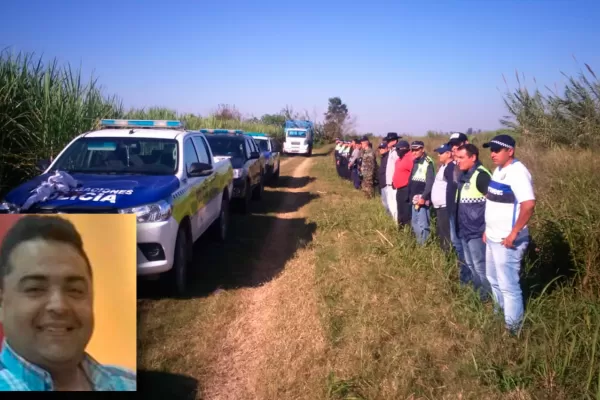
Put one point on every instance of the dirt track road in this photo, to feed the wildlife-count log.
(251, 325)
(265, 330)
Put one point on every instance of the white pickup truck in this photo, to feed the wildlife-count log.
(156, 169)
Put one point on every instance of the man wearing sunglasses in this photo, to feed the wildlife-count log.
(510, 203)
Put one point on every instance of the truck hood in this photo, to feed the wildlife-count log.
(106, 191)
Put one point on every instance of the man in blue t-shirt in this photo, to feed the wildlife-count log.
(510, 203)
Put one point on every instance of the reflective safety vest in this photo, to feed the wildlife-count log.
(471, 207)
(469, 192)
(420, 174)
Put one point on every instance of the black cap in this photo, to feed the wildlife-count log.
(382, 145)
(402, 144)
(417, 144)
(457, 138)
(392, 136)
(364, 139)
(500, 142)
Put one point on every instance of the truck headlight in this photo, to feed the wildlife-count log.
(156, 212)
(9, 208)
(238, 173)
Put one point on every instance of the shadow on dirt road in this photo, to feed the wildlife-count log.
(165, 385)
(237, 262)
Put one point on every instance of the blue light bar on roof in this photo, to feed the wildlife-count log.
(223, 131)
(139, 123)
(260, 134)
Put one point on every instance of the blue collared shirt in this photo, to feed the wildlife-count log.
(17, 374)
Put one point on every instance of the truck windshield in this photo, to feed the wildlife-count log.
(226, 146)
(120, 156)
(296, 133)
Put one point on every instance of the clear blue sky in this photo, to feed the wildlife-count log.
(398, 65)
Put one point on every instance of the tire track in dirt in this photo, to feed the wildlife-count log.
(266, 350)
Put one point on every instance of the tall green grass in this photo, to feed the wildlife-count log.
(45, 105)
(553, 118)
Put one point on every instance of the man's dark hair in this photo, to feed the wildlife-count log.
(33, 227)
(470, 149)
(356, 141)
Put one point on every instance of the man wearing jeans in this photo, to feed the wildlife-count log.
(457, 139)
(509, 206)
(439, 195)
(470, 199)
(420, 185)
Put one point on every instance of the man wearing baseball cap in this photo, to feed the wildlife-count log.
(457, 139)
(439, 197)
(510, 203)
(421, 182)
(391, 138)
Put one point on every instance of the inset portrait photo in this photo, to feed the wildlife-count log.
(68, 302)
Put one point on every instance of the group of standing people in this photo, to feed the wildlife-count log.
(356, 161)
(480, 216)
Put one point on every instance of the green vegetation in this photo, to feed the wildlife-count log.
(44, 106)
(572, 118)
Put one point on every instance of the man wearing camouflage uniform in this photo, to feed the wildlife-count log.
(368, 167)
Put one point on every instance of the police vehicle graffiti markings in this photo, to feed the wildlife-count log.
(164, 174)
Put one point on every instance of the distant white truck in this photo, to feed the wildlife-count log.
(299, 137)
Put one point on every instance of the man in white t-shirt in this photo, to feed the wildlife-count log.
(510, 203)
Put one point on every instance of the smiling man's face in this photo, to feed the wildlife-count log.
(47, 303)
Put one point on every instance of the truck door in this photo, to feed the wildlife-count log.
(195, 203)
(213, 191)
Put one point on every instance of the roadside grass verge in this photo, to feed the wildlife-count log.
(399, 325)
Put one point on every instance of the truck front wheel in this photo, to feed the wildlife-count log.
(179, 271)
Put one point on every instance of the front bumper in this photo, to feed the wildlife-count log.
(295, 148)
(156, 246)
(239, 188)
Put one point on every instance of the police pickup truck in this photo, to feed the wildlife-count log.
(248, 163)
(164, 174)
(270, 149)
